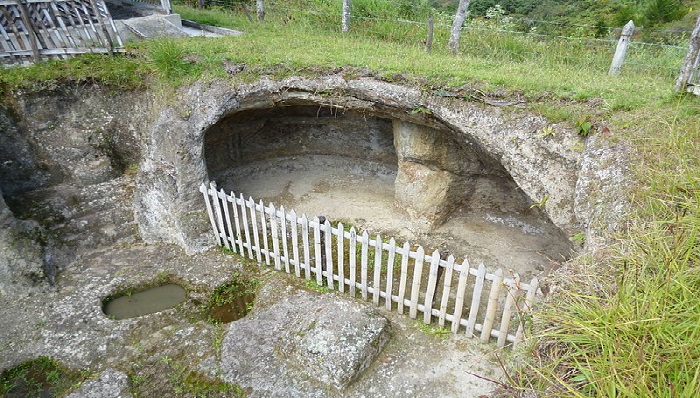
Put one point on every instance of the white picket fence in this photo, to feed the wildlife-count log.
(402, 278)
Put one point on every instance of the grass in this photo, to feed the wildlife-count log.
(172, 377)
(632, 332)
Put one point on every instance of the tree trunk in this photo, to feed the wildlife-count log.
(457, 25)
(690, 63)
(346, 16)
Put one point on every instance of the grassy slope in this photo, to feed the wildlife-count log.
(636, 334)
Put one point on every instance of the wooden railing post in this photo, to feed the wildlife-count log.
(29, 30)
(346, 16)
(429, 39)
(621, 50)
(692, 58)
(260, 10)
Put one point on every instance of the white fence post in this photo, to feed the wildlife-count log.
(492, 306)
(305, 245)
(459, 300)
(256, 231)
(405, 255)
(621, 50)
(376, 281)
(511, 295)
(329, 253)
(341, 257)
(390, 273)
(285, 246)
(317, 251)
(692, 57)
(207, 200)
(446, 287)
(476, 300)
(260, 6)
(346, 16)
(275, 238)
(415, 292)
(353, 260)
(363, 264)
(263, 222)
(432, 285)
(246, 228)
(295, 243)
(525, 307)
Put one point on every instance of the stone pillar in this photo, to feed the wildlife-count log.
(425, 181)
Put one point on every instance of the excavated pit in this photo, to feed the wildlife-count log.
(401, 179)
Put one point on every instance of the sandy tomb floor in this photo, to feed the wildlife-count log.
(362, 193)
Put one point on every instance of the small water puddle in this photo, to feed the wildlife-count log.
(149, 301)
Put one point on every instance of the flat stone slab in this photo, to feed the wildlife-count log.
(302, 340)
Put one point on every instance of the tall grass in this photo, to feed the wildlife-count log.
(636, 334)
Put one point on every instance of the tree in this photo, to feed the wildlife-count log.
(663, 11)
(457, 25)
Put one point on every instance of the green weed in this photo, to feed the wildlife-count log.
(312, 285)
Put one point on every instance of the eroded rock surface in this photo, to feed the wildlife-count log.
(109, 384)
(303, 336)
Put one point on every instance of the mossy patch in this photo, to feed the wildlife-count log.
(41, 377)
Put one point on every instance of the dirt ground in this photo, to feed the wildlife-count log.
(362, 193)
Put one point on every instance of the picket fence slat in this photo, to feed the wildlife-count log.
(254, 220)
(203, 189)
(219, 215)
(446, 290)
(436, 292)
(352, 249)
(246, 229)
(238, 239)
(459, 300)
(317, 251)
(341, 257)
(283, 232)
(364, 240)
(511, 292)
(432, 284)
(295, 243)
(224, 201)
(275, 237)
(328, 246)
(34, 30)
(417, 272)
(390, 273)
(404, 277)
(526, 307)
(376, 283)
(263, 222)
(492, 306)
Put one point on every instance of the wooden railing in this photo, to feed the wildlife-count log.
(35, 30)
